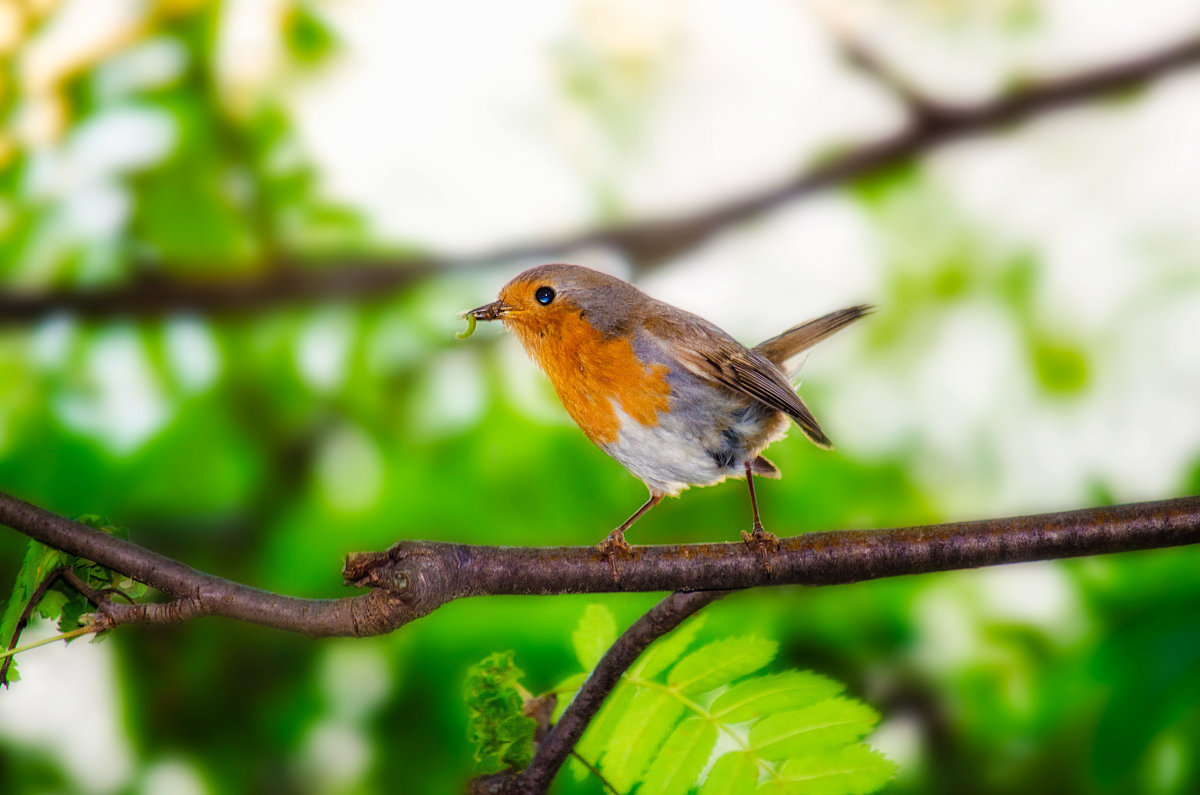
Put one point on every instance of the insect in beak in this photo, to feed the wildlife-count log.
(492, 311)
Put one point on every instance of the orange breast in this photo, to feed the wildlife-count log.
(591, 373)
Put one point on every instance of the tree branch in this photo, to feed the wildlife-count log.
(199, 593)
(645, 243)
(413, 578)
(23, 620)
(658, 621)
(554, 748)
(833, 17)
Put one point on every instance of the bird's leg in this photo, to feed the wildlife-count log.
(615, 542)
(760, 539)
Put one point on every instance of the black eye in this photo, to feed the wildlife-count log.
(544, 295)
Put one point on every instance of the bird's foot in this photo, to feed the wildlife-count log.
(766, 544)
(614, 545)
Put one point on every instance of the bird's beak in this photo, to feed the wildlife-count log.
(492, 311)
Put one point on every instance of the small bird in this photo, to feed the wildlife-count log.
(674, 399)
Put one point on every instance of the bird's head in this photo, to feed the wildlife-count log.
(555, 299)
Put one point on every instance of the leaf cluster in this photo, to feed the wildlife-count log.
(503, 735)
(60, 602)
(708, 718)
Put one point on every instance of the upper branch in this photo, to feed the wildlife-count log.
(645, 243)
(414, 578)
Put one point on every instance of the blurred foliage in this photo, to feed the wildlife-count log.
(263, 448)
(1016, 15)
(173, 167)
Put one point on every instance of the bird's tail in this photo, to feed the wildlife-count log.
(800, 338)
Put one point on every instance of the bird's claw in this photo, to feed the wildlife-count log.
(612, 546)
(763, 542)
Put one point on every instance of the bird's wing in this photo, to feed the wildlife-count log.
(709, 353)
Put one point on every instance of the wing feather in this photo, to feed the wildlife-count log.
(706, 351)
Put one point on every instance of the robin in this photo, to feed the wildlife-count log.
(674, 399)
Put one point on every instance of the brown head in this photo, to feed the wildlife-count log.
(563, 314)
(551, 299)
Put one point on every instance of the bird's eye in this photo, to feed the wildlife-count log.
(544, 295)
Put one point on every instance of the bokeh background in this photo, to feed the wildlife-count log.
(1036, 349)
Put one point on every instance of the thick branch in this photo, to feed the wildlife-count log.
(645, 243)
(195, 592)
(414, 578)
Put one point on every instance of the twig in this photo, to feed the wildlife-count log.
(414, 578)
(832, 15)
(75, 633)
(75, 581)
(658, 621)
(560, 741)
(23, 620)
(286, 281)
(595, 771)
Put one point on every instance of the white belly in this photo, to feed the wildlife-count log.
(673, 455)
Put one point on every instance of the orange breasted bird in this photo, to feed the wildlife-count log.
(674, 399)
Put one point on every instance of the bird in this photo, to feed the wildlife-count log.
(670, 396)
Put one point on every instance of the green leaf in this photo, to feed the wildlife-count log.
(658, 737)
(39, 561)
(800, 732)
(651, 716)
(513, 730)
(772, 693)
(52, 604)
(599, 733)
(682, 757)
(71, 613)
(578, 770)
(596, 633)
(497, 723)
(61, 602)
(132, 588)
(733, 772)
(852, 770)
(663, 653)
(720, 662)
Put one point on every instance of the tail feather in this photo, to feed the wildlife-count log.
(800, 338)
(764, 468)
